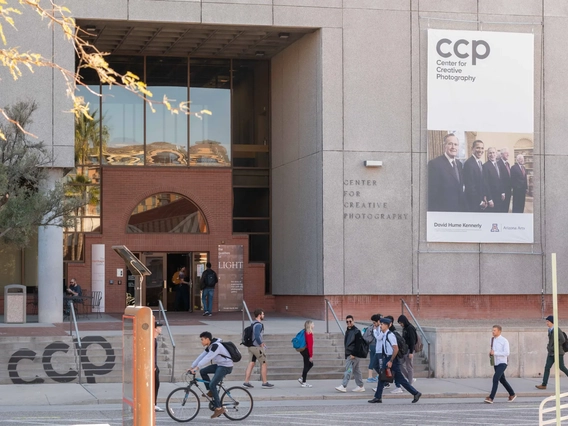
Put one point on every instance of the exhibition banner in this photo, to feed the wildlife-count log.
(231, 277)
(480, 136)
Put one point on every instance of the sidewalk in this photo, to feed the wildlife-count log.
(111, 393)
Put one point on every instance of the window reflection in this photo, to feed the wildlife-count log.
(123, 113)
(167, 212)
(166, 133)
(210, 121)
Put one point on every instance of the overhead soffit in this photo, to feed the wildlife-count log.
(169, 39)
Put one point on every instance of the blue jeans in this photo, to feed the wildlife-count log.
(207, 299)
(219, 374)
(398, 377)
(499, 376)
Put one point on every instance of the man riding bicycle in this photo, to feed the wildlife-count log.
(215, 359)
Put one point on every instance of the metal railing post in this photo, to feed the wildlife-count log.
(334, 316)
(73, 323)
(161, 312)
(419, 328)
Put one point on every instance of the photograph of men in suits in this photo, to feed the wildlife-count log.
(505, 172)
(445, 179)
(520, 184)
(473, 179)
(493, 183)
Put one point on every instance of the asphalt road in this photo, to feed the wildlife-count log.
(438, 412)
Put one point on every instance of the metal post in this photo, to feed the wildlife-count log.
(326, 317)
(555, 333)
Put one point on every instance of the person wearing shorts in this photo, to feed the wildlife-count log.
(257, 352)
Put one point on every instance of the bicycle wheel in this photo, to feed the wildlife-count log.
(182, 404)
(237, 402)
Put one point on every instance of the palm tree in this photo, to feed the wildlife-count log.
(88, 138)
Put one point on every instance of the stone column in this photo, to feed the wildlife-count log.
(50, 266)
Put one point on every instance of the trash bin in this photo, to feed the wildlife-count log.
(15, 304)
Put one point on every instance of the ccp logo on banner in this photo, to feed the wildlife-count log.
(479, 49)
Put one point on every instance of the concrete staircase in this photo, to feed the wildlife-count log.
(54, 360)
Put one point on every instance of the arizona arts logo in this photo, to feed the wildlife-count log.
(494, 228)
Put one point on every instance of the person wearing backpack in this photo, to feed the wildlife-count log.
(351, 361)
(398, 336)
(410, 337)
(550, 350)
(257, 351)
(208, 281)
(387, 352)
(307, 353)
(216, 360)
(369, 336)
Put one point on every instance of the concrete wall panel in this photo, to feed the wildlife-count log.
(511, 7)
(511, 274)
(97, 9)
(332, 88)
(448, 272)
(377, 80)
(309, 3)
(448, 6)
(377, 4)
(316, 17)
(309, 93)
(378, 239)
(555, 8)
(241, 14)
(167, 11)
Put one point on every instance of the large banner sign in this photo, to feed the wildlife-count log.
(231, 277)
(480, 137)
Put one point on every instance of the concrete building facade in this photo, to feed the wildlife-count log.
(350, 88)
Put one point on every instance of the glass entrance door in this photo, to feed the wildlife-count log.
(155, 285)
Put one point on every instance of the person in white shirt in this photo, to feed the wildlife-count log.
(387, 351)
(499, 351)
(214, 359)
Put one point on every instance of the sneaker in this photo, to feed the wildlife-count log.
(372, 380)
(358, 389)
(300, 380)
(512, 398)
(218, 412)
(306, 385)
(209, 314)
(488, 400)
(247, 385)
(374, 389)
(397, 390)
(540, 386)
(341, 388)
(387, 385)
(205, 313)
(413, 381)
(267, 385)
(158, 409)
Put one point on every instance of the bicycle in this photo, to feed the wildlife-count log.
(183, 403)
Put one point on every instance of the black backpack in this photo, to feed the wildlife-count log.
(361, 349)
(565, 344)
(233, 351)
(401, 343)
(210, 279)
(248, 335)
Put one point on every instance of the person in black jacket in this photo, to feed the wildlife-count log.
(550, 349)
(410, 337)
(352, 362)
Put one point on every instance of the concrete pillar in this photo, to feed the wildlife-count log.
(50, 266)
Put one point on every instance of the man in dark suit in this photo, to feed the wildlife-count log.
(445, 179)
(520, 185)
(473, 179)
(493, 183)
(505, 171)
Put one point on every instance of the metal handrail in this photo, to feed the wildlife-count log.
(419, 328)
(78, 346)
(328, 307)
(557, 407)
(163, 312)
(245, 309)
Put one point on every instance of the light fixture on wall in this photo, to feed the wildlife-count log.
(91, 28)
(283, 35)
(373, 163)
(259, 53)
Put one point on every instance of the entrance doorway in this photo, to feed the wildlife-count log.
(160, 285)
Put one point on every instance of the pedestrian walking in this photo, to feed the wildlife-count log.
(157, 332)
(257, 352)
(369, 337)
(388, 347)
(352, 368)
(208, 282)
(550, 350)
(498, 354)
(307, 353)
(410, 337)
